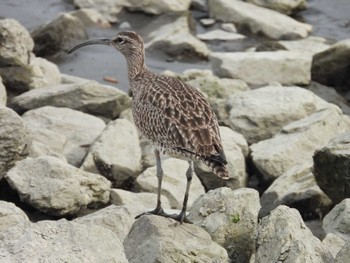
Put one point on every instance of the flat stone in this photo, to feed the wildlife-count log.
(91, 18)
(156, 7)
(219, 34)
(283, 6)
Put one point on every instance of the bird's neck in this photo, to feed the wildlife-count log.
(136, 65)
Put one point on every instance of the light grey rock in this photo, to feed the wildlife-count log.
(147, 149)
(333, 243)
(156, 7)
(90, 97)
(219, 34)
(259, 20)
(15, 139)
(79, 128)
(261, 113)
(330, 67)
(343, 255)
(56, 188)
(57, 35)
(207, 22)
(139, 201)
(118, 219)
(285, 67)
(70, 79)
(125, 25)
(231, 219)
(235, 163)
(296, 188)
(337, 221)
(229, 27)
(11, 215)
(331, 167)
(190, 74)
(91, 18)
(310, 45)
(284, 6)
(116, 153)
(174, 182)
(3, 94)
(15, 43)
(46, 142)
(283, 236)
(297, 142)
(171, 34)
(159, 239)
(60, 241)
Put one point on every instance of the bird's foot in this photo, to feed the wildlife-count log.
(180, 217)
(158, 211)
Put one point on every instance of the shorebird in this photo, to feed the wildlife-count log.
(174, 116)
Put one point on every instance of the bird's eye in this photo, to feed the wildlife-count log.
(119, 40)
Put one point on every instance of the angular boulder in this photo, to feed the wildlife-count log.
(283, 6)
(11, 215)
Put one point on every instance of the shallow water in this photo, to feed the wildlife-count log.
(330, 19)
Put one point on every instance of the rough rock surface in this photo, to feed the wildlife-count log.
(174, 182)
(10, 215)
(231, 219)
(116, 153)
(219, 34)
(60, 241)
(297, 142)
(90, 97)
(55, 187)
(14, 139)
(259, 20)
(79, 128)
(331, 167)
(261, 113)
(310, 45)
(285, 67)
(156, 7)
(284, 6)
(343, 255)
(3, 94)
(159, 239)
(333, 243)
(283, 237)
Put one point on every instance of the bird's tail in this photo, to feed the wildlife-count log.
(218, 167)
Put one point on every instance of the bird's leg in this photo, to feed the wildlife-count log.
(158, 210)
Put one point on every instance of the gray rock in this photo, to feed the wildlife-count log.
(236, 163)
(297, 142)
(70, 79)
(330, 67)
(156, 7)
(159, 239)
(231, 219)
(285, 67)
(59, 34)
(116, 153)
(283, 237)
(331, 167)
(147, 149)
(337, 221)
(56, 188)
(11, 215)
(284, 6)
(333, 243)
(259, 20)
(3, 94)
(296, 188)
(174, 182)
(15, 139)
(310, 45)
(171, 34)
(79, 128)
(60, 241)
(199, 5)
(219, 34)
(15, 43)
(207, 22)
(343, 255)
(91, 18)
(229, 27)
(261, 113)
(90, 97)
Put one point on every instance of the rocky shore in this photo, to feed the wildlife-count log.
(74, 170)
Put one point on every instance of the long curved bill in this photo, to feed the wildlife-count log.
(101, 41)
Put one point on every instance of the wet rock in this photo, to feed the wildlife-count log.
(219, 34)
(343, 255)
(236, 163)
(159, 239)
(91, 18)
(15, 139)
(173, 38)
(10, 215)
(284, 6)
(174, 182)
(156, 7)
(116, 153)
(60, 241)
(261, 113)
(90, 97)
(285, 67)
(259, 20)
(231, 219)
(3, 94)
(333, 243)
(296, 143)
(80, 129)
(331, 67)
(283, 236)
(15, 43)
(296, 188)
(331, 167)
(59, 34)
(337, 221)
(56, 188)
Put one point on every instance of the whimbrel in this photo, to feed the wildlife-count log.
(174, 116)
